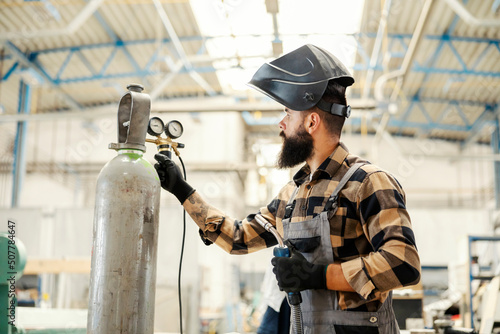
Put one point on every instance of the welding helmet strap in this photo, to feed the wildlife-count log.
(334, 108)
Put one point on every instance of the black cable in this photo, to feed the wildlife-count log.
(182, 253)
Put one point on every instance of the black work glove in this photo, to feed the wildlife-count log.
(171, 178)
(295, 273)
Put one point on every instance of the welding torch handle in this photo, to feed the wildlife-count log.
(294, 298)
(281, 252)
(270, 228)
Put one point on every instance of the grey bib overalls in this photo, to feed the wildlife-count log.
(320, 310)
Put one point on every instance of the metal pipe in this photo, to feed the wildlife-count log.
(470, 19)
(171, 32)
(460, 10)
(72, 27)
(378, 91)
(376, 48)
(403, 71)
(412, 47)
(181, 105)
(180, 49)
(174, 70)
(410, 54)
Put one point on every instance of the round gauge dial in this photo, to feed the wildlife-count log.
(174, 129)
(155, 126)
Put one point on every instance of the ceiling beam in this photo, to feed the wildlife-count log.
(29, 62)
(180, 49)
(489, 114)
(180, 105)
(83, 15)
(115, 46)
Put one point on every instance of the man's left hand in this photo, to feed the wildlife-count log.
(295, 273)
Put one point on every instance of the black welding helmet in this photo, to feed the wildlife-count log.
(298, 79)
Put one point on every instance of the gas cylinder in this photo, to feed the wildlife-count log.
(125, 231)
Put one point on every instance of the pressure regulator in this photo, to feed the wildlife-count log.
(172, 130)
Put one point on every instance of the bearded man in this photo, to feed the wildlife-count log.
(344, 219)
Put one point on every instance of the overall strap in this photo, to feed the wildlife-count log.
(291, 204)
(334, 196)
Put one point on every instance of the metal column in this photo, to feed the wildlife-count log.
(495, 146)
(19, 165)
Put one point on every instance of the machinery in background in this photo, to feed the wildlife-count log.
(13, 261)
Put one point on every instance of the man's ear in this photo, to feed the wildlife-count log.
(312, 122)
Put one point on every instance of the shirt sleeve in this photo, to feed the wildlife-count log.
(232, 235)
(394, 261)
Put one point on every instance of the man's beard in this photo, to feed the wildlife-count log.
(296, 149)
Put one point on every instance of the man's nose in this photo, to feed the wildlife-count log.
(282, 124)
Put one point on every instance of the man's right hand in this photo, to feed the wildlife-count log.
(171, 178)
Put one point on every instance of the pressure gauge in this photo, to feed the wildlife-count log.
(155, 126)
(174, 129)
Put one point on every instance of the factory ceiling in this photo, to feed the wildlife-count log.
(424, 68)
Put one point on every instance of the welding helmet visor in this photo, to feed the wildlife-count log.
(299, 79)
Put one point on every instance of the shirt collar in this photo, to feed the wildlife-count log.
(330, 166)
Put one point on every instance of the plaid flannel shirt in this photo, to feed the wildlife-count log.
(371, 231)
